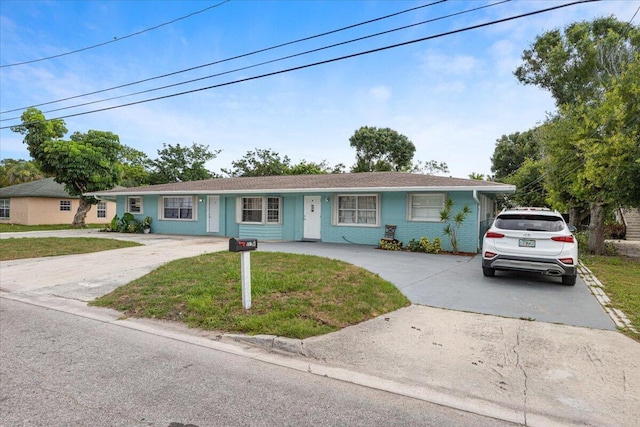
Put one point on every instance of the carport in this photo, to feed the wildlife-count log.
(456, 282)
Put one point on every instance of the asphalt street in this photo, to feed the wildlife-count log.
(60, 369)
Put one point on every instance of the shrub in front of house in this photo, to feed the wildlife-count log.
(390, 245)
(425, 245)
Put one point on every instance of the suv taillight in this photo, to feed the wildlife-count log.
(565, 239)
(493, 235)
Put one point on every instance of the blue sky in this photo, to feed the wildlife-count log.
(452, 96)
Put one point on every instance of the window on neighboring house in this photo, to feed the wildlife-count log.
(134, 205)
(357, 210)
(5, 211)
(101, 209)
(259, 210)
(425, 207)
(177, 208)
(65, 205)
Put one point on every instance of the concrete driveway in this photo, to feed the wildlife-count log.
(456, 282)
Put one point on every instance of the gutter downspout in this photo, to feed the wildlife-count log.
(475, 197)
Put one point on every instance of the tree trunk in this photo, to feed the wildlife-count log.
(596, 229)
(81, 214)
(574, 213)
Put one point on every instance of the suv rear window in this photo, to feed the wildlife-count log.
(529, 222)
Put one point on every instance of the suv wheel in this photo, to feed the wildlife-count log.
(569, 280)
(490, 272)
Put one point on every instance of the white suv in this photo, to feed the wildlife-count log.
(530, 239)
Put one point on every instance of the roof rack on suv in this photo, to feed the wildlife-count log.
(529, 208)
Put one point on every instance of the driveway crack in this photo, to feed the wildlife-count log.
(524, 373)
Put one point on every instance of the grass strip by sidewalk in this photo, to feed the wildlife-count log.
(295, 296)
(37, 247)
(620, 276)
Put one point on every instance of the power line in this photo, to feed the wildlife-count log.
(244, 55)
(267, 62)
(341, 58)
(117, 39)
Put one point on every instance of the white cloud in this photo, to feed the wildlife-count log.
(381, 93)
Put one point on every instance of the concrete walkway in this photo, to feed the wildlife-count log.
(532, 373)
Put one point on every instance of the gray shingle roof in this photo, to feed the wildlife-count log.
(42, 188)
(377, 181)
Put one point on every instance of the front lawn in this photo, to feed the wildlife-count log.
(620, 276)
(294, 296)
(37, 247)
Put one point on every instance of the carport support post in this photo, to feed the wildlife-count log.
(245, 268)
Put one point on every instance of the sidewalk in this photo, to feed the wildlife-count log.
(532, 373)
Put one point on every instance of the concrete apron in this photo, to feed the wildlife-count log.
(531, 373)
(87, 276)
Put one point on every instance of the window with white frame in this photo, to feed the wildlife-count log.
(65, 205)
(101, 210)
(178, 208)
(134, 204)
(259, 210)
(425, 206)
(357, 209)
(5, 208)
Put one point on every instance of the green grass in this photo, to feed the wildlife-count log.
(37, 247)
(620, 276)
(294, 296)
(14, 228)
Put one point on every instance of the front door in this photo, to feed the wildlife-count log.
(312, 217)
(213, 214)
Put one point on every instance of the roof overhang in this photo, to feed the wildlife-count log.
(506, 188)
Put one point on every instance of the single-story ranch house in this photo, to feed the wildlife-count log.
(338, 208)
(47, 202)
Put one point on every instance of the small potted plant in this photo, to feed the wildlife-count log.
(146, 225)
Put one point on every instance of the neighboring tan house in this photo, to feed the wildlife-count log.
(338, 208)
(46, 202)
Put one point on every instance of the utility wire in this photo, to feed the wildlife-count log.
(234, 57)
(117, 39)
(267, 62)
(341, 58)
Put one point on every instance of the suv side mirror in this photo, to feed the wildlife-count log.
(572, 229)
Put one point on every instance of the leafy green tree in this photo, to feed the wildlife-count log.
(86, 162)
(136, 167)
(529, 182)
(381, 149)
(591, 145)
(600, 141)
(177, 163)
(311, 168)
(511, 152)
(261, 162)
(431, 167)
(14, 172)
(577, 63)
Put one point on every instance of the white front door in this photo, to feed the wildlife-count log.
(213, 214)
(312, 217)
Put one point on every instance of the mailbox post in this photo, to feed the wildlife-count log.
(244, 246)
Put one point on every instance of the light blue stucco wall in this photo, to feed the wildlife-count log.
(393, 211)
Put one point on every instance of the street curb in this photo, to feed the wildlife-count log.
(597, 289)
(272, 342)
